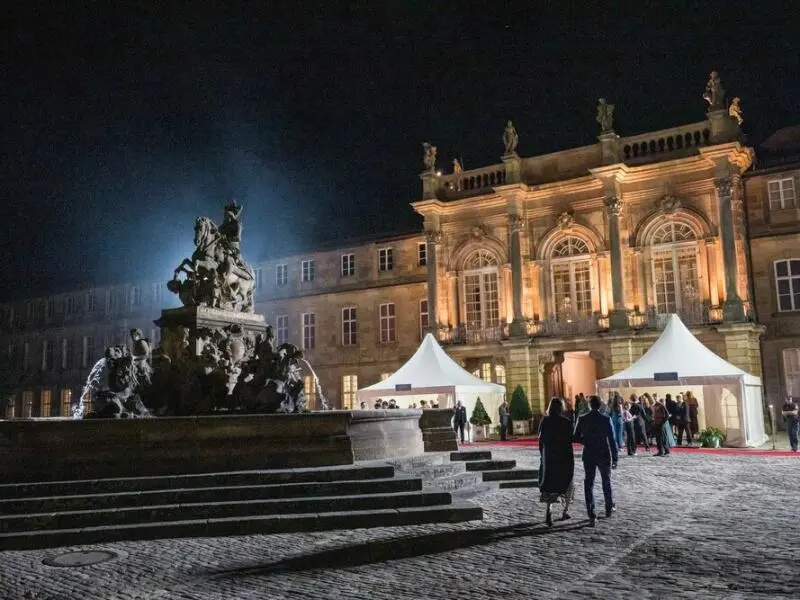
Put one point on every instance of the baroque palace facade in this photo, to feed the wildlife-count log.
(547, 272)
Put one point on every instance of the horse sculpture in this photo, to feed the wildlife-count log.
(221, 278)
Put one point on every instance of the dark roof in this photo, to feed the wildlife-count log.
(781, 148)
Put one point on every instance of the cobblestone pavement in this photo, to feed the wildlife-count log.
(688, 526)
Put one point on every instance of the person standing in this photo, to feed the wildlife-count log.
(460, 419)
(505, 420)
(557, 463)
(630, 434)
(683, 420)
(660, 426)
(600, 453)
(639, 422)
(615, 412)
(791, 413)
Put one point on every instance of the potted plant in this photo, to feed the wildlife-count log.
(711, 438)
(480, 418)
(520, 410)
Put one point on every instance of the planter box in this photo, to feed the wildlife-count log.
(521, 427)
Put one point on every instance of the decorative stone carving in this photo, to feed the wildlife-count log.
(669, 204)
(433, 237)
(428, 156)
(515, 223)
(216, 276)
(478, 232)
(724, 187)
(565, 221)
(605, 116)
(458, 169)
(714, 93)
(510, 138)
(735, 111)
(613, 206)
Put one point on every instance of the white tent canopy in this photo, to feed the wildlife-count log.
(729, 398)
(430, 372)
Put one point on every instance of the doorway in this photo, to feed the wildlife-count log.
(572, 373)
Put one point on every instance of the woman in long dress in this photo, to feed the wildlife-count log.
(557, 460)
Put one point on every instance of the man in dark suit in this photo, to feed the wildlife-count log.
(683, 420)
(595, 432)
(505, 420)
(460, 419)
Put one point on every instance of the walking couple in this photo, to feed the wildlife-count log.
(600, 453)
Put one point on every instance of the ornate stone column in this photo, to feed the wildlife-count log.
(642, 273)
(452, 297)
(733, 308)
(619, 315)
(518, 327)
(432, 240)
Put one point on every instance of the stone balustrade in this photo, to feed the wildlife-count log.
(475, 179)
(667, 141)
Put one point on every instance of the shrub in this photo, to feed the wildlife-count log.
(520, 408)
(479, 416)
(711, 437)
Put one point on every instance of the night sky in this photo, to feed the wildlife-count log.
(120, 126)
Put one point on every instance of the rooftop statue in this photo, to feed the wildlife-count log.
(510, 138)
(715, 93)
(428, 156)
(735, 110)
(458, 169)
(605, 116)
(216, 276)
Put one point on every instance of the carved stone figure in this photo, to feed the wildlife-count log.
(714, 93)
(605, 116)
(478, 232)
(142, 357)
(735, 110)
(216, 276)
(613, 206)
(428, 156)
(457, 168)
(510, 138)
(669, 204)
(565, 220)
(121, 399)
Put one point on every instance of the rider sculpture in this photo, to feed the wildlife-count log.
(216, 276)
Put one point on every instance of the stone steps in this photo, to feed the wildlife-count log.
(131, 515)
(511, 475)
(459, 481)
(291, 523)
(490, 465)
(471, 455)
(234, 478)
(518, 483)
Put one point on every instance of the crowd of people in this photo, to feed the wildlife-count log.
(392, 403)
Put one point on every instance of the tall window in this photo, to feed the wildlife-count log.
(481, 290)
(674, 259)
(349, 326)
(385, 259)
(571, 270)
(422, 254)
(423, 318)
(781, 193)
(388, 325)
(136, 296)
(87, 352)
(26, 357)
(91, 300)
(791, 371)
(66, 403)
(348, 265)
(45, 404)
(500, 374)
(308, 270)
(281, 275)
(47, 355)
(27, 404)
(349, 387)
(282, 329)
(155, 293)
(258, 275)
(111, 301)
(309, 331)
(310, 390)
(66, 353)
(787, 284)
(49, 309)
(70, 305)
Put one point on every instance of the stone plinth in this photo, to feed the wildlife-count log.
(437, 432)
(391, 433)
(196, 318)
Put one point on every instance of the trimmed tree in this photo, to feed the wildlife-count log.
(479, 416)
(519, 407)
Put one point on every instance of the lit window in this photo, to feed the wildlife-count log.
(572, 278)
(282, 329)
(781, 193)
(349, 387)
(281, 275)
(258, 278)
(27, 404)
(791, 371)
(423, 318)
(500, 374)
(422, 254)
(385, 259)
(136, 296)
(348, 265)
(482, 291)
(309, 331)
(66, 403)
(349, 327)
(45, 404)
(486, 371)
(387, 316)
(308, 270)
(310, 390)
(674, 268)
(787, 284)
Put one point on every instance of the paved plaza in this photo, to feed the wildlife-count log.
(688, 526)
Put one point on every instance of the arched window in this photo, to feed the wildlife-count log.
(674, 267)
(481, 290)
(571, 272)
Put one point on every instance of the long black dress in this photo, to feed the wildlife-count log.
(557, 459)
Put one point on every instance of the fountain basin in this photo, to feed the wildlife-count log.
(53, 450)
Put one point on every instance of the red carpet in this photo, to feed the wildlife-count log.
(679, 449)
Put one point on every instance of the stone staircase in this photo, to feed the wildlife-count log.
(503, 473)
(66, 513)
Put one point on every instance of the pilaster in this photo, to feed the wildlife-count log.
(513, 165)
(518, 326)
(733, 307)
(432, 239)
(618, 319)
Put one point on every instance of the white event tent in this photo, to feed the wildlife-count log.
(430, 374)
(728, 398)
